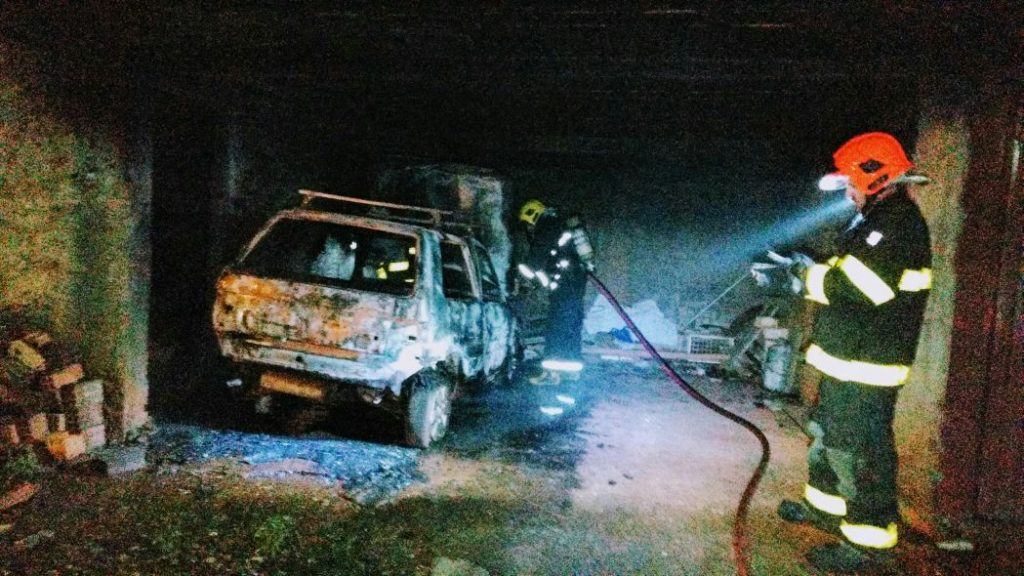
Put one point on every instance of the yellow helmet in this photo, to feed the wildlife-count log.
(531, 211)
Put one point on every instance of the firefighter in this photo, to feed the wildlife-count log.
(872, 296)
(558, 259)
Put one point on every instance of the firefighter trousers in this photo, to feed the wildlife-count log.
(563, 337)
(853, 453)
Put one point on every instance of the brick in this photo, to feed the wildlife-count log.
(38, 427)
(65, 446)
(95, 437)
(55, 354)
(66, 376)
(37, 338)
(87, 416)
(9, 433)
(22, 493)
(83, 403)
(26, 355)
(58, 422)
(85, 392)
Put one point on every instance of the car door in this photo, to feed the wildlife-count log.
(498, 327)
(465, 308)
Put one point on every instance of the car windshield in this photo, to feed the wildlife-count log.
(335, 255)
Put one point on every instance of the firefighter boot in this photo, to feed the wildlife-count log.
(798, 512)
(844, 557)
(571, 376)
(546, 378)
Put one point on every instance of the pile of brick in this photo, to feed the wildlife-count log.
(45, 397)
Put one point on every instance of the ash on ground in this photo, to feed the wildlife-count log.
(368, 473)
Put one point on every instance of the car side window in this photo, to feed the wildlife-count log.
(488, 277)
(455, 278)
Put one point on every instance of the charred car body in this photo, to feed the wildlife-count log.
(395, 305)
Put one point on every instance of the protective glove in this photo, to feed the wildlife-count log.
(761, 272)
(778, 276)
(796, 265)
(801, 262)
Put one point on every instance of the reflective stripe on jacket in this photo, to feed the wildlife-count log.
(873, 292)
(553, 257)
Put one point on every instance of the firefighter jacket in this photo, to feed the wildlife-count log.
(560, 251)
(873, 293)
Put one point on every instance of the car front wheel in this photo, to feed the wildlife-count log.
(429, 408)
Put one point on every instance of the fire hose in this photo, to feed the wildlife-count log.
(740, 542)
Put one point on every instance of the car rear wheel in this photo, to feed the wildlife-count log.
(429, 408)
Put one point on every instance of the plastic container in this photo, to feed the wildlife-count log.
(777, 376)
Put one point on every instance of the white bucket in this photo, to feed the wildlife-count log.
(775, 368)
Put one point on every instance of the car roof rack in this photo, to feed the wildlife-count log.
(435, 217)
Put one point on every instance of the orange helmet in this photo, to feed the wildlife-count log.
(871, 161)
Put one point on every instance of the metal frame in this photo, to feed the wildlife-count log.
(435, 217)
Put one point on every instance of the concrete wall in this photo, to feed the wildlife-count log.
(941, 152)
(966, 129)
(72, 232)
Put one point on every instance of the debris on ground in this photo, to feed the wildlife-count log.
(448, 567)
(955, 545)
(23, 493)
(368, 472)
(659, 330)
(117, 460)
(31, 541)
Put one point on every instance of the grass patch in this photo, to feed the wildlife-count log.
(203, 524)
(498, 517)
(18, 464)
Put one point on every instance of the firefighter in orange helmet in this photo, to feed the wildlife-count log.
(872, 295)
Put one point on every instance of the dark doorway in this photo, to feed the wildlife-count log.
(180, 342)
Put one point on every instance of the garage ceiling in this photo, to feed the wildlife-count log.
(527, 75)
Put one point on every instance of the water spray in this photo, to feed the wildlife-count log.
(740, 543)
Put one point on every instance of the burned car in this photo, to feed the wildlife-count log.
(395, 305)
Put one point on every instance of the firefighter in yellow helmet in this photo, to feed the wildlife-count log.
(872, 296)
(558, 259)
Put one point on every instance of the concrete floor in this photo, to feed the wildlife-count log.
(644, 475)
